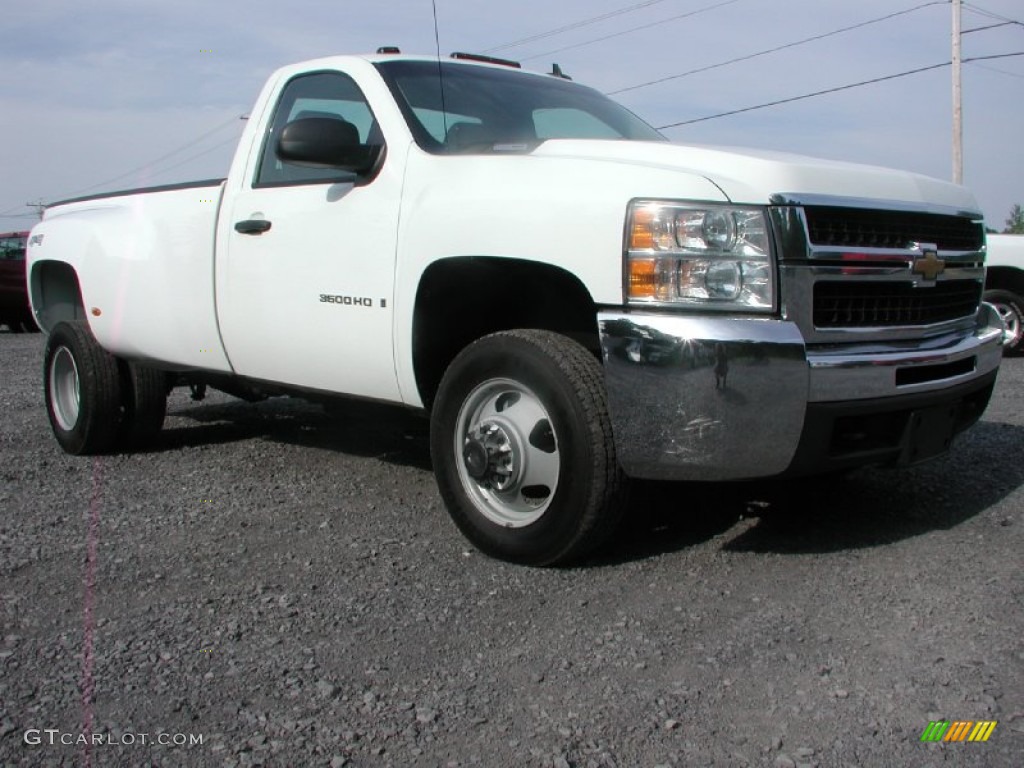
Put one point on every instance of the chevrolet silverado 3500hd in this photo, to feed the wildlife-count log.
(571, 297)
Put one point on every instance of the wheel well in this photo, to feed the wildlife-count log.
(56, 294)
(461, 299)
(1005, 278)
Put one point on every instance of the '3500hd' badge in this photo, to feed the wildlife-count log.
(349, 301)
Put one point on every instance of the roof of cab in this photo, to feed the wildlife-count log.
(470, 60)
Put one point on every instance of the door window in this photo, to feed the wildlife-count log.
(322, 94)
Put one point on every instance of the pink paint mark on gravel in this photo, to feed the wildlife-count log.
(89, 600)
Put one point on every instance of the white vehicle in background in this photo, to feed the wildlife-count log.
(1004, 287)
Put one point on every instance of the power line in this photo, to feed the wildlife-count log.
(185, 161)
(629, 31)
(151, 163)
(190, 158)
(149, 166)
(1000, 71)
(778, 48)
(574, 25)
(804, 96)
(833, 90)
(994, 56)
(989, 14)
(987, 26)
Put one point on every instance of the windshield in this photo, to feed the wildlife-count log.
(491, 110)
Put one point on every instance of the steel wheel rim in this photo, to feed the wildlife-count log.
(65, 389)
(506, 453)
(1012, 320)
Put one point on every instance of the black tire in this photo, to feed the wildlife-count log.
(15, 326)
(527, 409)
(1011, 309)
(83, 390)
(144, 404)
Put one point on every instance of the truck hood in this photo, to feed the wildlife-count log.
(760, 177)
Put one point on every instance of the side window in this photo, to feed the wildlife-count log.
(565, 122)
(322, 94)
(440, 124)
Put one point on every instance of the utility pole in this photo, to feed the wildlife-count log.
(39, 205)
(958, 127)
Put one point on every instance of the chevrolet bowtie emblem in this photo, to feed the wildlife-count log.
(929, 266)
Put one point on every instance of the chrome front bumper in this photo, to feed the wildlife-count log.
(719, 398)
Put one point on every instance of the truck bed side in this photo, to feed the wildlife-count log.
(142, 266)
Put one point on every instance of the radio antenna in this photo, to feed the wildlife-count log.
(440, 74)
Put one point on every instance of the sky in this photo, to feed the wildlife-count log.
(117, 94)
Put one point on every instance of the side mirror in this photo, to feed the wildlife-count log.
(322, 142)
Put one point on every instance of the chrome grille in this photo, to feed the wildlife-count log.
(864, 303)
(863, 228)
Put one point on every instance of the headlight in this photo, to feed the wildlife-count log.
(700, 255)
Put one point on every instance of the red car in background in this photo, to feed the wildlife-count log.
(15, 312)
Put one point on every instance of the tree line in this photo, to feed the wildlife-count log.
(1015, 224)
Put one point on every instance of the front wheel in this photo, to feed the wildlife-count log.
(522, 448)
(1011, 308)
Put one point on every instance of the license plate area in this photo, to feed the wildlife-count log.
(929, 433)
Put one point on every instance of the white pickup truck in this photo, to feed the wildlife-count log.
(1004, 287)
(573, 299)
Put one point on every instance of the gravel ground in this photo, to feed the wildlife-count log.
(287, 587)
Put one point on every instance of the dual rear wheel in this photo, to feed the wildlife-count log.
(97, 403)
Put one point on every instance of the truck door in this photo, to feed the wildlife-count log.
(306, 265)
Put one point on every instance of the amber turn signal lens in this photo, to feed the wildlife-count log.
(643, 278)
(641, 237)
